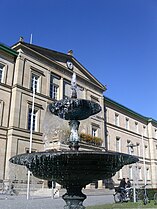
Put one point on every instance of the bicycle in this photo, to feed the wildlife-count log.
(9, 191)
(155, 199)
(122, 195)
(142, 194)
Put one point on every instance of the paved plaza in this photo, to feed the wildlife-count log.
(20, 202)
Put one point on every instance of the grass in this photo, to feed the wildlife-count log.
(124, 205)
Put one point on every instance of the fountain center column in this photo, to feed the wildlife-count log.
(74, 137)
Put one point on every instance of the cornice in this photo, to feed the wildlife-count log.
(122, 107)
(8, 50)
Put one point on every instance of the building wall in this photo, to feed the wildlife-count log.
(16, 99)
(7, 60)
(120, 135)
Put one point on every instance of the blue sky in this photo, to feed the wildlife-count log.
(116, 40)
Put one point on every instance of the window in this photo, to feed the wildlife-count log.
(136, 127)
(138, 149)
(147, 174)
(94, 131)
(144, 131)
(66, 90)
(130, 172)
(1, 72)
(146, 151)
(116, 119)
(54, 87)
(54, 91)
(156, 133)
(34, 124)
(128, 146)
(118, 147)
(35, 82)
(1, 111)
(127, 123)
(140, 173)
(80, 92)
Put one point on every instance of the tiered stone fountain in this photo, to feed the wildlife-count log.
(74, 169)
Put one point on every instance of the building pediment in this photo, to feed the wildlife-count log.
(63, 60)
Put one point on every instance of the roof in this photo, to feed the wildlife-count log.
(148, 119)
(47, 52)
(8, 50)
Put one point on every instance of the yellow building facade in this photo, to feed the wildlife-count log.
(119, 128)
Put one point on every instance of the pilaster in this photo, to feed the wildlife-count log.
(153, 166)
(11, 151)
(19, 69)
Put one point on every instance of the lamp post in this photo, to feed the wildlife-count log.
(131, 146)
(144, 164)
(31, 137)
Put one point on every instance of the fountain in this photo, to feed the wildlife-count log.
(73, 168)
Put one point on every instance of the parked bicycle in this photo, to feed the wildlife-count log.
(155, 199)
(143, 195)
(9, 190)
(123, 195)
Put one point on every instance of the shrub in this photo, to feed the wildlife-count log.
(151, 193)
(90, 139)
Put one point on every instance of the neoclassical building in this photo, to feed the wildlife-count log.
(115, 128)
(51, 73)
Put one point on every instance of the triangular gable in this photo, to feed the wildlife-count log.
(81, 73)
(61, 59)
(86, 74)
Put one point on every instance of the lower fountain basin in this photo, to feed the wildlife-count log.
(74, 167)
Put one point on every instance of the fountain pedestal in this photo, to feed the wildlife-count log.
(74, 198)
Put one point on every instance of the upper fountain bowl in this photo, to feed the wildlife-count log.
(74, 109)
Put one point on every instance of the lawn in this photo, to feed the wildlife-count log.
(124, 205)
